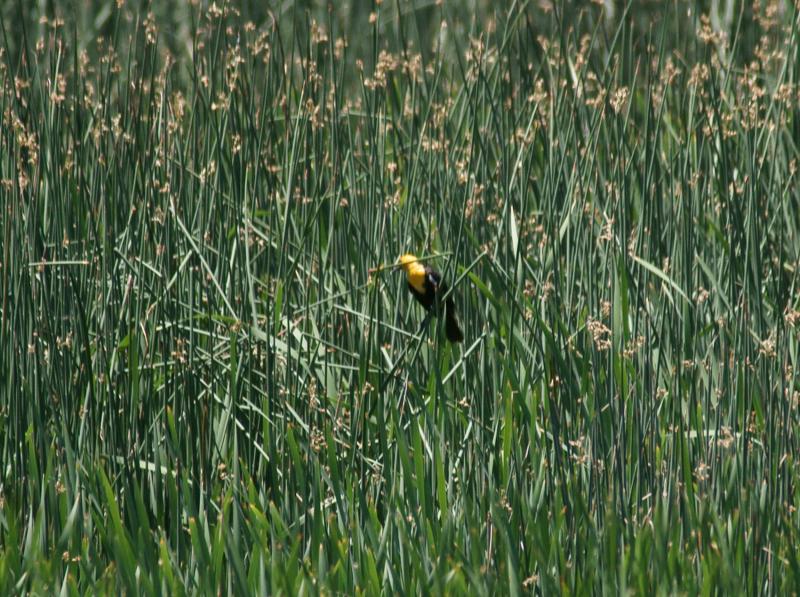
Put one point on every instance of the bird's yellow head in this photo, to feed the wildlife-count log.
(405, 261)
(415, 271)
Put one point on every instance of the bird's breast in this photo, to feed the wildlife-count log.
(416, 278)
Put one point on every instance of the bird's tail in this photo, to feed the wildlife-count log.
(451, 327)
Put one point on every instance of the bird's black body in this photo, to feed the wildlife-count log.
(435, 288)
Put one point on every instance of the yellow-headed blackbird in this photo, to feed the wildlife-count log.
(427, 286)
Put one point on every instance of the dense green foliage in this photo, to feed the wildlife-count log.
(212, 380)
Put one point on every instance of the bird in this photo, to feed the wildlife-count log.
(427, 286)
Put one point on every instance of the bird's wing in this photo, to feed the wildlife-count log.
(433, 278)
